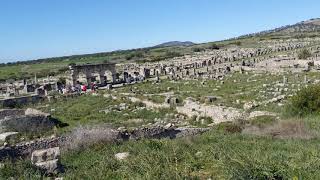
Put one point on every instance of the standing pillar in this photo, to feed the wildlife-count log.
(114, 78)
(102, 79)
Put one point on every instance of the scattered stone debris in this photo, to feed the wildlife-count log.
(47, 160)
(7, 135)
(121, 156)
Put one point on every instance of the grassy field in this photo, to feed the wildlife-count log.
(241, 87)
(91, 110)
(236, 90)
(216, 155)
(222, 153)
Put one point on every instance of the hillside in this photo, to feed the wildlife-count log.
(56, 65)
(175, 43)
(304, 28)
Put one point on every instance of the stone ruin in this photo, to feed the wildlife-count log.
(215, 64)
(14, 121)
(268, 56)
(47, 160)
(92, 72)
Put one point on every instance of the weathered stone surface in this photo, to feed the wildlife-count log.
(31, 111)
(50, 167)
(39, 156)
(27, 123)
(7, 135)
(121, 156)
(10, 112)
(25, 149)
(30, 120)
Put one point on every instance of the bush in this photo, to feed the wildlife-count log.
(172, 54)
(305, 102)
(198, 49)
(229, 127)
(304, 54)
(135, 55)
(214, 46)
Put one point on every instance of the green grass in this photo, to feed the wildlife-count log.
(89, 110)
(235, 87)
(215, 155)
(263, 121)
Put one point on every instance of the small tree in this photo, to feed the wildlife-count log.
(304, 54)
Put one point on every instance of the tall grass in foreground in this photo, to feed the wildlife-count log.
(216, 155)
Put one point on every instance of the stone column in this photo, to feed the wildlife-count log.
(114, 78)
(305, 79)
(73, 77)
(285, 80)
(102, 79)
(88, 78)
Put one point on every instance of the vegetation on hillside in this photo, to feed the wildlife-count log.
(304, 54)
(305, 102)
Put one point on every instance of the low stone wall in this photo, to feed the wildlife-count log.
(11, 112)
(28, 123)
(23, 100)
(25, 121)
(25, 150)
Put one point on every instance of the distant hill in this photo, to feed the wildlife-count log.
(175, 43)
(304, 27)
(57, 65)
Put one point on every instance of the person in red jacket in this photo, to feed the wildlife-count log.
(83, 88)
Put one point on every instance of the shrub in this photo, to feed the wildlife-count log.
(197, 49)
(137, 55)
(214, 46)
(306, 101)
(229, 127)
(172, 54)
(304, 54)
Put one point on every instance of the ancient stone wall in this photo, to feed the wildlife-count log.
(24, 150)
(12, 102)
(11, 112)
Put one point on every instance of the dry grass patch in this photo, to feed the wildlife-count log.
(85, 136)
(283, 129)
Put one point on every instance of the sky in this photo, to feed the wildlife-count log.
(32, 29)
